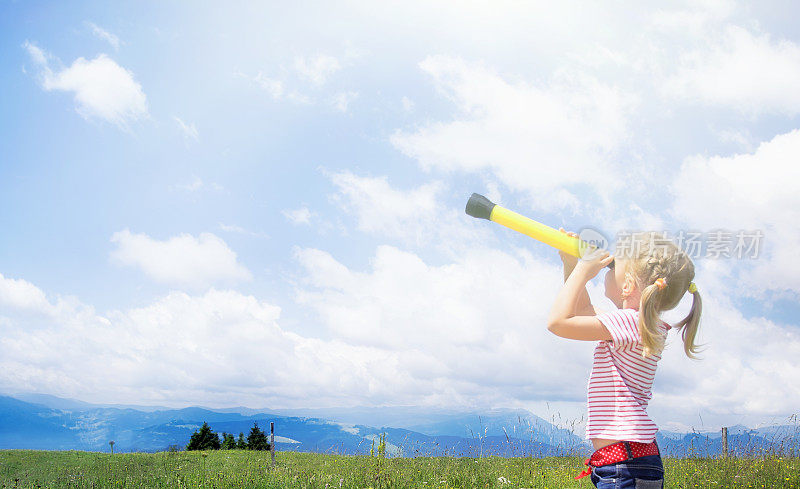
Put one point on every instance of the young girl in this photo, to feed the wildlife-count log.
(651, 277)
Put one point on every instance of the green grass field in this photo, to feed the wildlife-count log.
(245, 469)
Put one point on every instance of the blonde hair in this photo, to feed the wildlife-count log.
(651, 256)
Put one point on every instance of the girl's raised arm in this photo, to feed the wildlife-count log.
(583, 306)
(563, 321)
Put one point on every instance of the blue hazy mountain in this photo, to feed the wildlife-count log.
(742, 441)
(74, 404)
(25, 425)
(63, 424)
(500, 423)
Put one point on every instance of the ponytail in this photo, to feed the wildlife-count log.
(690, 324)
(663, 273)
(649, 321)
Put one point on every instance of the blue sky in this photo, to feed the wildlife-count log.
(262, 205)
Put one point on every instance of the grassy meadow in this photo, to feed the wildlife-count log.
(248, 469)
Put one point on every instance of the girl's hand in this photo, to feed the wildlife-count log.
(591, 263)
(568, 260)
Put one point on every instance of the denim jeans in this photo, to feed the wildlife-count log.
(638, 473)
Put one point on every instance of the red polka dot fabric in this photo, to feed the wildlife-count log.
(617, 452)
(612, 454)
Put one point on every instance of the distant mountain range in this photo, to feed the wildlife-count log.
(51, 423)
(742, 441)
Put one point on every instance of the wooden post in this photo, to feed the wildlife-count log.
(724, 442)
(272, 441)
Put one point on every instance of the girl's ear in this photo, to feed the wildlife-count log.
(629, 285)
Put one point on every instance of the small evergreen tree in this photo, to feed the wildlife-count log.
(228, 442)
(257, 440)
(204, 439)
(241, 444)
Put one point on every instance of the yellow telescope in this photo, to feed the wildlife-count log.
(483, 208)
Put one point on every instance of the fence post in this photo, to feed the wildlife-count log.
(272, 441)
(724, 442)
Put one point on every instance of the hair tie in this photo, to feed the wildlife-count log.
(661, 283)
(692, 287)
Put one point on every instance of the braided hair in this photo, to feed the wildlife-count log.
(653, 257)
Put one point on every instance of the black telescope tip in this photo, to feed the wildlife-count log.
(479, 206)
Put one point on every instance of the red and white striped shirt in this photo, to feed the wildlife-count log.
(619, 386)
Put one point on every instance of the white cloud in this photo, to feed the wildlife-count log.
(381, 208)
(741, 138)
(182, 260)
(221, 348)
(420, 217)
(465, 333)
(342, 100)
(545, 140)
(189, 130)
(750, 191)
(195, 184)
(103, 34)
(408, 104)
(416, 217)
(232, 228)
(306, 74)
(276, 88)
(316, 69)
(476, 325)
(102, 89)
(437, 321)
(747, 367)
(36, 53)
(738, 69)
(21, 294)
(298, 216)
(270, 85)
(693, 18)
